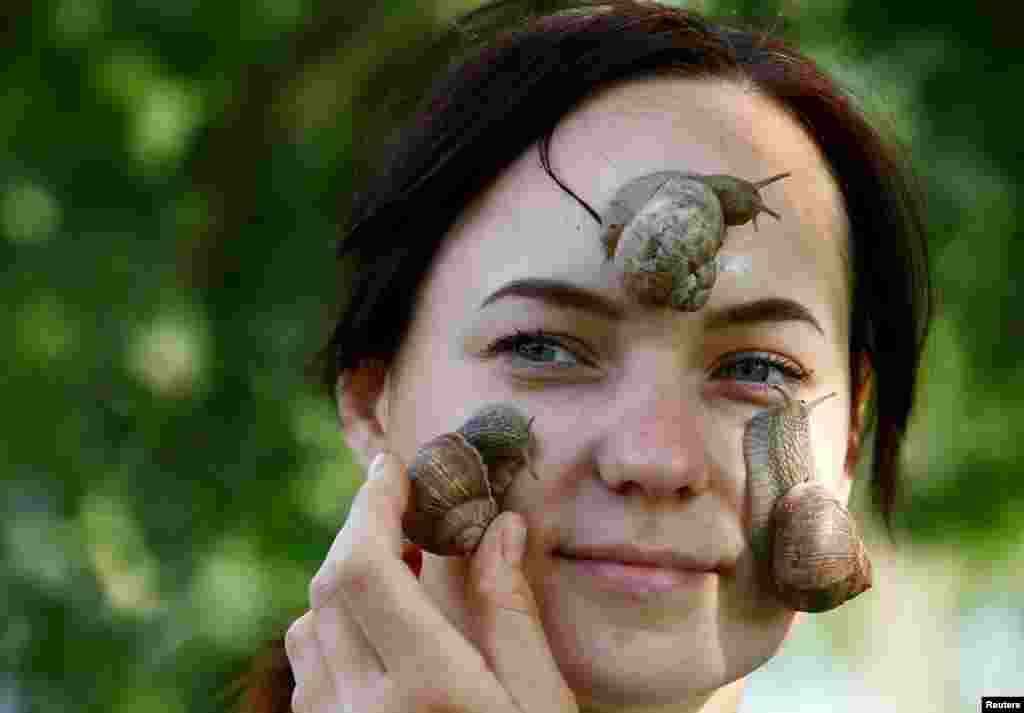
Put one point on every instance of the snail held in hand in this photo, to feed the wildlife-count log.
(799, 529)
(460, 479)
(665, 230)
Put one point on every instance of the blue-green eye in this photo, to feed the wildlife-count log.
(760, 368)
(543, 349)
(537, 348)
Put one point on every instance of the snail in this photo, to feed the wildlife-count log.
(502, 436)
(665, 230)
(460, 479)
(799, 530)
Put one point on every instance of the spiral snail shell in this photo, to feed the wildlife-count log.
(819, 561)
(459, 479)
(799, 530)
(664, 231)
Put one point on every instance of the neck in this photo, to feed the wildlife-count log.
(725, 700)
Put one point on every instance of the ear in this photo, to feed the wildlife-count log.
(858, 415)
(362, 400)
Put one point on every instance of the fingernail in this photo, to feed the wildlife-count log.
(377, 466)
(513, 541)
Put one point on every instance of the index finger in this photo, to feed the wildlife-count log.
(416, 643)
(325, 582)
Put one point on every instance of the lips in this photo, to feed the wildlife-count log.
(637, 556)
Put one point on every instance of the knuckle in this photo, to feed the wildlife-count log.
(298, 636)
(320, 586)
(355, 574)
(350, 573)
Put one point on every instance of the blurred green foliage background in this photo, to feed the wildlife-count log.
(172, 180)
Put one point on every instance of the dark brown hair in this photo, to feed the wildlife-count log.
(517, 72)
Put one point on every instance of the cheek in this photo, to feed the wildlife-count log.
(830, 432)
(727, 413)
(433, 393)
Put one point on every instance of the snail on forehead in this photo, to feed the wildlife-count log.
(664, 231)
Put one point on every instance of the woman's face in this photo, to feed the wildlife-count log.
(639, 411)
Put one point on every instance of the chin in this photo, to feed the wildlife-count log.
(605, 681)
(617, 666)
(666, 659)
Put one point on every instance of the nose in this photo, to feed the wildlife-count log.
(658, 447)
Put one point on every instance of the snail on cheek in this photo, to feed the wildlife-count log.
(459, 479)
(803, 538)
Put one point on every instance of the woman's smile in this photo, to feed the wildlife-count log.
(637, 573)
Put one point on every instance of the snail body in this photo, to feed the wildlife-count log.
(502, 436)
(799, 530)
(664, 230)
(459, 480)
(777, 448)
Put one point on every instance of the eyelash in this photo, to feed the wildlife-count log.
(790, 370)
(512, 343)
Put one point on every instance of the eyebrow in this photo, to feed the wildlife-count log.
(560, 294)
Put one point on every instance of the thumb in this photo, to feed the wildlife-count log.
(508, 627)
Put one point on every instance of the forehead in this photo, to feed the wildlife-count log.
(524, 225)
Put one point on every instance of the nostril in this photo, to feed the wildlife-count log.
(632, 487)
(626, 487)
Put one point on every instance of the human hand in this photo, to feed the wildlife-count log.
(374, 641)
